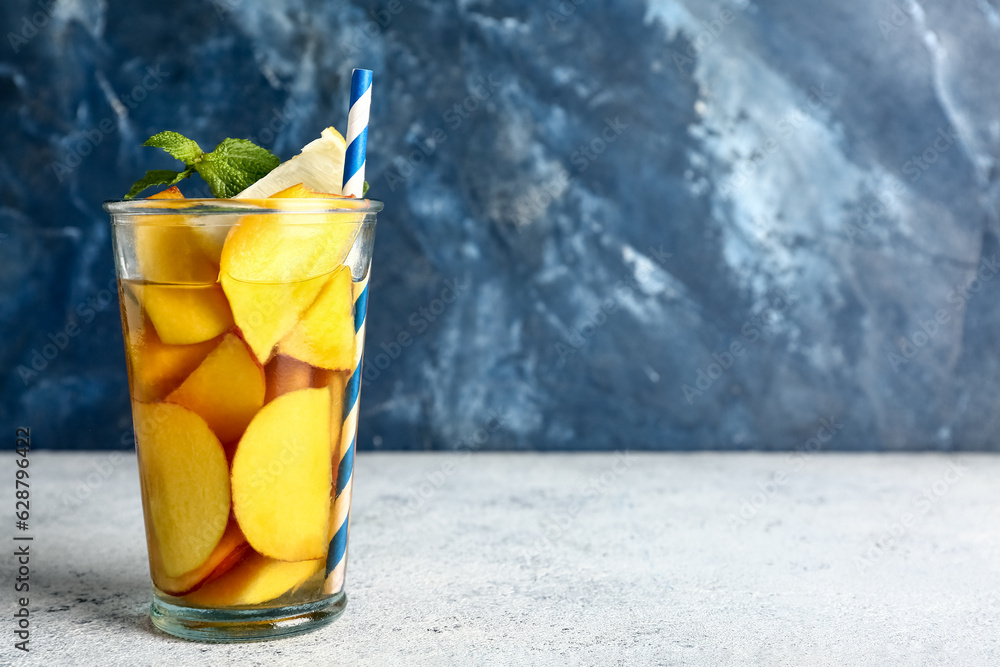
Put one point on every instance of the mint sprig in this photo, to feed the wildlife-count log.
(233, 166)
(179, 146)
(157, 177)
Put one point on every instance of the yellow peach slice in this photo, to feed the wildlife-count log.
(209, 237)
(273, 266)
(226, 389)
(282, 478)
(265, 312)
(285, 375)
(257, 579)
(169, 250)
(155, 367)
(339, 230)
(336, 382)
(185, 314)
(230, 551)
(324, 336)
(300, 191)
(185, 482)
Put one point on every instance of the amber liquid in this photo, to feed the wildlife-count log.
(200, 395)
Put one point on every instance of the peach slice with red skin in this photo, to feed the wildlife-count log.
(173, 192)
(273, 266)
(185, 481)
(231, 550)
(257, 579)
(282, 478)
(324, 335)
(226, 389)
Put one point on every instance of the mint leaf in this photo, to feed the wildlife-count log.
(166, 177)
(364, 189)
(235, 165)
(179, 146)
(232, 167)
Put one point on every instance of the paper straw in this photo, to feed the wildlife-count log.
(336, 559)
(354, 182)
(357, 132)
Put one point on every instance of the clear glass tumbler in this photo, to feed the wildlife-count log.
(244, 326)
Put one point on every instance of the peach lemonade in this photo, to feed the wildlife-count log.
(243, 320)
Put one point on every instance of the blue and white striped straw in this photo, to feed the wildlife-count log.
(354, 182)
(336, 558)
(357, 132)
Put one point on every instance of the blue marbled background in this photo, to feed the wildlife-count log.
(623, 193)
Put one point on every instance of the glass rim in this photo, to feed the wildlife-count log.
(264, 206)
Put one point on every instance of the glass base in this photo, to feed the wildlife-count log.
(245, 625)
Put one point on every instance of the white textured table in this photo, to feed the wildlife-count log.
(514, 559)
